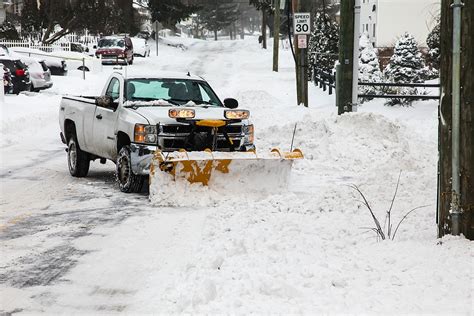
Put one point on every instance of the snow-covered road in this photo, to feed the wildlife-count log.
(78, 246)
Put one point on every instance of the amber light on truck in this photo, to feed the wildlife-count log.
(181, 113)
(237, 114)
(145, 134)
(249, 134)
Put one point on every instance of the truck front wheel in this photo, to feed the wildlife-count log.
(127, 180)
(78, 161)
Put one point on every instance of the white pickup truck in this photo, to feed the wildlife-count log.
(139, 114)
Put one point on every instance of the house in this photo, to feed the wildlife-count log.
(15, 7)
(3, 10)
(386, 20)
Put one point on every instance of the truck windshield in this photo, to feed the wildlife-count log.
(111, 42)
(173, 91)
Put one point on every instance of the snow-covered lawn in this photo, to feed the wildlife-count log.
(77, 246)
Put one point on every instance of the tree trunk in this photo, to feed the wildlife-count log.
(215, 35)
(467, 120)
(264, 29)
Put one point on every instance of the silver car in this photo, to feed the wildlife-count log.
(40, 74)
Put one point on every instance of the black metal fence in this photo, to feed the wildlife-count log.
(324, 79)
(399, 96)
(327, 82)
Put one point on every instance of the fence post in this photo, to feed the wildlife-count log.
(83, 68)
(2, 88)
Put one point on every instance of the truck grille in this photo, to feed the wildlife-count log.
(186, 129)
(175, 137)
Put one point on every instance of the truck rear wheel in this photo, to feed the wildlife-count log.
(127, 180)
(78, 161)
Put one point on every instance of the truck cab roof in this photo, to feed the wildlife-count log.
(130, 74)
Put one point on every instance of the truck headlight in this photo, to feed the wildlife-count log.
(181, 113)
(145, 134)
(249, 134)
(237, 114)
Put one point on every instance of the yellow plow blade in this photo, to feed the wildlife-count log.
(225, 170)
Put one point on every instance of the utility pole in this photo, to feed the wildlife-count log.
(296, 8)
(305, 7)
(264, 28)
(276, 35)
(344, 88)
(301, 30)
(455, 212)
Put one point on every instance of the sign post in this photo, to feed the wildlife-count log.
(302, 28)
(156, 26)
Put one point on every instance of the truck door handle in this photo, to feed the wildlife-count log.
(99, 116)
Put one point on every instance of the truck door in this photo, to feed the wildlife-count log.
(105, 142)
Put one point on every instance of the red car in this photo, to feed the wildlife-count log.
(115, 50)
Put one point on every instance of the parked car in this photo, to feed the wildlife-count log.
(56, 65)
(40, 74)
(143, 34)
(140, 47)
(7, 80)
(4, 51)
(115, 50)
(79, 47)
(19, 72)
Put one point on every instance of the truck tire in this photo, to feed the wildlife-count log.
(127, 180)
(78, 161)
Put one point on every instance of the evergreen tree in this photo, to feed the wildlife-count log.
(406, 66)
(31, 21)
(369, 68)
(217, 16)
(170, 12)
(323, 44)
(434, 44)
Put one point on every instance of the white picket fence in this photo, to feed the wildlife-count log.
(56, 47)
(63, 44)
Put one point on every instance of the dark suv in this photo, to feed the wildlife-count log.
(19, 73)
(115, 50)
(7, 79)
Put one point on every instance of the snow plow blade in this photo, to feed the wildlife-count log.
(225, 170)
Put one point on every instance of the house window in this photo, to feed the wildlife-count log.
(374, 30)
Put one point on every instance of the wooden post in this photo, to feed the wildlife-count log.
(296, 8)
(346, 56)
(276, 35)
(264, 28)
(305, 6)
(466, 123)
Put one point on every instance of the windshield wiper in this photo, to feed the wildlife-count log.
(197, 102)
(144, 99)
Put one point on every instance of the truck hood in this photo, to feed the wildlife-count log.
(159, 114)
(109, 51)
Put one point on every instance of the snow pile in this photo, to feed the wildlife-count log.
(246, 179)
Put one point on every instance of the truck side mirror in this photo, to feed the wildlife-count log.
(231, 103)
(106, 101)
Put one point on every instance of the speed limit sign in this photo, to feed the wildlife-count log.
(301, 23)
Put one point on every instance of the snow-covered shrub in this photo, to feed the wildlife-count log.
(323, 44)
(434, 44)
(369, 69)
(8, 31)
(406, 66)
